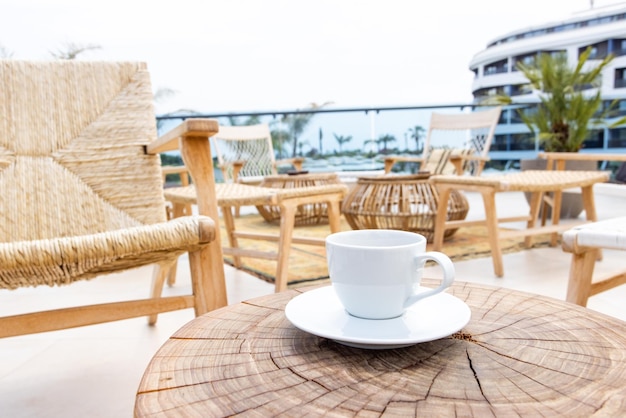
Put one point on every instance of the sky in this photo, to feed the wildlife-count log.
(253, 55)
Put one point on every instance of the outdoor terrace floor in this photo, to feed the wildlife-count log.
(94, 371)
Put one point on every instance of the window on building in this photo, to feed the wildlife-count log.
(567, 26)
(499, 143)
(489, 92)
(620, 78)
(521, 89)
(619, 108)
(497, 67)
(516, 114)
(619, 47)
(598, 50)
(617, 138)
(522, 141)
(596, 139)
(526, 59)
(504, 117)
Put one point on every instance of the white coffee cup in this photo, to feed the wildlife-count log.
(376, 273)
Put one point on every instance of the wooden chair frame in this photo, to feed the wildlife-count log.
(456, 122)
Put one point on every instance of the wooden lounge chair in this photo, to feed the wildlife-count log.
(455, 143)
(82, 196)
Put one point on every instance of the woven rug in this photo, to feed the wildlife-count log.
(307, 263)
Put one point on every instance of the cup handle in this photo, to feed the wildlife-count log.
(448, 275)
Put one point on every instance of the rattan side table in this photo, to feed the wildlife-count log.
(307, 214)
(405, 202)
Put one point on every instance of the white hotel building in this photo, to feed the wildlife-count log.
(602, 29)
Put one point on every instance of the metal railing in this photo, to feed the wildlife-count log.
(382, 130)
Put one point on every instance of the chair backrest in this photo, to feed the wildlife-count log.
(464, 133)
(251, 144)
(72, 149)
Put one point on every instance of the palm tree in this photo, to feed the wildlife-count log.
(416, 133)
(341, 139)
(371, 141)
(280, 137)
(296, 123)
(384, 139)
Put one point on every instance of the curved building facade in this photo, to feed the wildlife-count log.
(602, 29)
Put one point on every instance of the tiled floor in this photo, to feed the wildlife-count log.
(94, 371)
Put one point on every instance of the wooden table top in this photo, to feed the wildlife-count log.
(520, 354)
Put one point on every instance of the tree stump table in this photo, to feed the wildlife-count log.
(520, 355)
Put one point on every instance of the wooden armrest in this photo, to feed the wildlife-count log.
(296, 162)
(171, 141)
(392, 159)
(237, 166)
(459, 160)
(192, 138)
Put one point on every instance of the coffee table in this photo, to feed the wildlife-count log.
(520, 355)
(403, 202)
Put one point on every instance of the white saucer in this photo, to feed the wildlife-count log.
(319, 312)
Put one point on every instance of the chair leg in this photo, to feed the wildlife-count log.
(177, 210)
(556, 215)
(491, 221)
(536, 202)
(229, 224)
(580, 275)
(443, 190)
(589, 204)
(207, 278)
(171, 274)
(287, 222)
(159, 274)
(333, 210)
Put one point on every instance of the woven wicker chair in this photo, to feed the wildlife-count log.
(455, 143)
(82, 195)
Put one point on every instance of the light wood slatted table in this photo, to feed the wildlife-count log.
(535, 182)
(520, 355)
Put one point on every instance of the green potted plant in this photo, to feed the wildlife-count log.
(570, 104)
(566, 110)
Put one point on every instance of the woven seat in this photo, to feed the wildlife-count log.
(81, 197)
